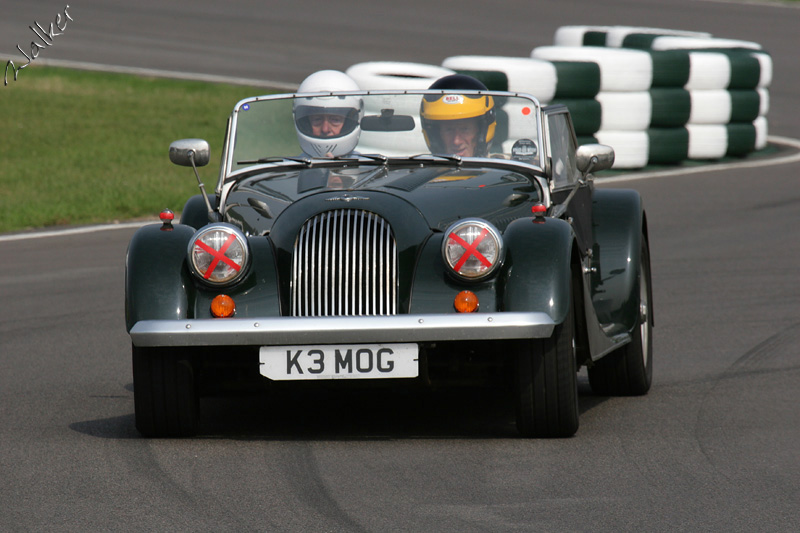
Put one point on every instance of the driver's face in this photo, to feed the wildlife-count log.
(460, 137)
(324, 125)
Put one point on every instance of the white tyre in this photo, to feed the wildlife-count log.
(631, 148)
(693, 43)
(728, 69)
(625, 111)
(579, 35)
(761, 127)
(765, 62)
(379, 75)
(710, 107)
(620, 69)
(707, 141)
(763, 102)
(708, 70)
(517, 74)
(384, 75)
(629, 36)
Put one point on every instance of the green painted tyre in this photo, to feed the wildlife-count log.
(587, 114)
(668, 145)
(672, 107)
(577, 79)
(164, 393)
(628, 371)
(741, 139)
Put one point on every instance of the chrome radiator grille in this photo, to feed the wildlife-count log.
(344, 264)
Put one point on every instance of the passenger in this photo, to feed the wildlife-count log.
(328, 126)
(456, 124)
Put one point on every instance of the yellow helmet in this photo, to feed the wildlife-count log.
(437, 109)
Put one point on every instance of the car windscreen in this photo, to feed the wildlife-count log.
(396, 125)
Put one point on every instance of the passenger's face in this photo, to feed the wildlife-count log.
(460, 137)
(326, 125)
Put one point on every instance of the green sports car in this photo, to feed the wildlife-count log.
(423, 236)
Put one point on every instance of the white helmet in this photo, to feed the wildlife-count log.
(350, 108)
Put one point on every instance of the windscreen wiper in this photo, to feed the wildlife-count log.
(302, 160)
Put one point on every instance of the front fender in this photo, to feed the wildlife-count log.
(538, 260)
(619, 224)
(155, 274)
(535, 276)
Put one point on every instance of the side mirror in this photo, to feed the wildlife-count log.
(594, 157)
(183, 152)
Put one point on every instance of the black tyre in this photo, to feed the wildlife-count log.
(547, 383)
(164, 393)
(628, 371)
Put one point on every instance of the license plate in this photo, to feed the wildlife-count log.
(343, 361)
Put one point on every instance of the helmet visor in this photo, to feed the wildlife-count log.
(326, 122)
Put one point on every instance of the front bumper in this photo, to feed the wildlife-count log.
(278, 331)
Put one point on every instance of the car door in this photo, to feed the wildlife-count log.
(561, 146)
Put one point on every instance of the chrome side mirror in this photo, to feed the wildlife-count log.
(189, 152)
(594, 157)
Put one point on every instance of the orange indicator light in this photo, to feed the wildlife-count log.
(222, 306)
(466, 302)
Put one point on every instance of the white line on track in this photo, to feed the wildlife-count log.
(766, 162)
(73, 231)
(154, 73)
(758, 3)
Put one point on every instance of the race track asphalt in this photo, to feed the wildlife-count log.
(713, 447)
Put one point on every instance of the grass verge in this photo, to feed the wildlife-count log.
(80, 147)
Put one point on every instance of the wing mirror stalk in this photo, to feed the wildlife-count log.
(194, 153)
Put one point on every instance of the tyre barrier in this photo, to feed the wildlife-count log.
(379, 75)
(664, 108)
(667, 146)
(517, 74)
(620, 69)
(612, 36)
(729, 69)
(382, 75)
(545, 80)
(670, 42)
(707, 97)
(658, 96)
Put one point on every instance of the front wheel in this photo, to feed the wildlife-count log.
(164, 393)
(628, 371)
(547, 383)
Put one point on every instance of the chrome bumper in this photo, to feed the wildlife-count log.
(278, 331)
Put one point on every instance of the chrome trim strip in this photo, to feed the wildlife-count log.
(277, 331)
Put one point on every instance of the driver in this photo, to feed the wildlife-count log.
(328, 126)
(456, 124)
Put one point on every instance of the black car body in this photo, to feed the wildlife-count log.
(352, 267)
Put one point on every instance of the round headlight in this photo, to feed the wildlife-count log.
(218, 254)
(472, 248)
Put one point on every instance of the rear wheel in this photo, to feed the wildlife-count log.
(547, 383)
(164, 393)
(628, 371)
